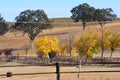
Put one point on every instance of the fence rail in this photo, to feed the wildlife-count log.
(57, 71)
(60, 59)
(17, 74)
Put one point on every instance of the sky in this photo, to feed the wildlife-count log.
(9, 9)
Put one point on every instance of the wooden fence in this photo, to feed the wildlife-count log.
(57, 72)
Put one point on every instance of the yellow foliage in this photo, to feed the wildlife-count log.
(95, 33)
(102, 41)
(107, 33)
(47, 44)
(86, 45)
(63, 47)
(114, 40)
(74, 53)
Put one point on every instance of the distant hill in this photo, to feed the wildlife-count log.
(70, 20)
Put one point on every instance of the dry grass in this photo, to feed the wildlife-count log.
(62, 33)
(10, 39)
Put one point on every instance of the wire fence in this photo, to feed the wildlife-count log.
(66, 60)
(51, 74)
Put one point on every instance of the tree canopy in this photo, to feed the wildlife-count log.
(47, 45)
(86, 45)
(114, 42)
(32, 22)
(87, 13)
(3, 26)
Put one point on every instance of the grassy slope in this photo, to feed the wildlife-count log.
(63, 33)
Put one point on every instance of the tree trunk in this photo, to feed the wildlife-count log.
(84, 24)
(102, 36)
(102, 56)
(31, 44)
(26, 52)
(111, 55)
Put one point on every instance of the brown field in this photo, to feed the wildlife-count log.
(11, 41)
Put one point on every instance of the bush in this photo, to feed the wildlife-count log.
(52, 54)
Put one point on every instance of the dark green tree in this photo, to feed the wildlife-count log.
(3, 26)
(103, 15)
(87, 13)
(32, 22)
(83, 12)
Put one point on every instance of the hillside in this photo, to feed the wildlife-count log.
(62, 33)
(10, 40)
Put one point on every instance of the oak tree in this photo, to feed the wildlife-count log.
(3, 26)
(32, 22)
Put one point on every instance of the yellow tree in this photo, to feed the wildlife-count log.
(102, 42)
(114, 42)
(47, 44)
(86, 47)
(64, 49)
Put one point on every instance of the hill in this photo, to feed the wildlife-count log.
(62, 31)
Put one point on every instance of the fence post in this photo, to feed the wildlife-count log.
(57, 71)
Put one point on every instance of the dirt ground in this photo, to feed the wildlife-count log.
(63, 76)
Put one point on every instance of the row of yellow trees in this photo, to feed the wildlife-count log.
(85, 46)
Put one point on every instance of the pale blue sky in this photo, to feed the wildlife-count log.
(9, 9)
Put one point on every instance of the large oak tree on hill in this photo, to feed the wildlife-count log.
(32, 22)
(82, 12)
(87, 13)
